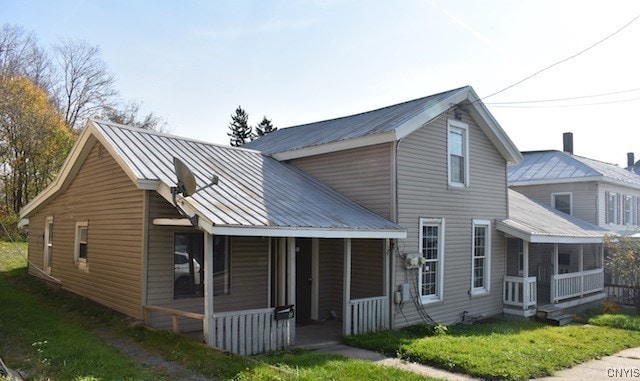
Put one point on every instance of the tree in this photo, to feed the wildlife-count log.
(623, 262)
(265, 127)
(129, 114)
(85, 86)
(34, 141)
(240, 129)
(20, 55)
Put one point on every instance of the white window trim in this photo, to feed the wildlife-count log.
(455, 124)
(439, 296)
(48, 245)
(553, 200)
(612, 220)
(81, 262)
(486, 289)
(627, 219)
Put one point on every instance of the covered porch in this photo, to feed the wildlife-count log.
(553, 259)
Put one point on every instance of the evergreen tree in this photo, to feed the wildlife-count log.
(240, 129)
(265, 127)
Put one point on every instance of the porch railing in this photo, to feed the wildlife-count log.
(252, 331)
(520, 292)
(369, 314)
(571, 285)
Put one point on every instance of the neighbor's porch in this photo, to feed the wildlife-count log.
(253, 292)
(560, 274)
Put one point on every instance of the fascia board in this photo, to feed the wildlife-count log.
(341, 145)
(306, 232)
(556, 181)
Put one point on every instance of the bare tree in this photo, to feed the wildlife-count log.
(20, 55)
(129, 114)
(85, 87)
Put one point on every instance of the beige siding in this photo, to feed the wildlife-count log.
(423, 192)
(330, 285)
(102, 194)
(362, 174)
(584, 197)
(249, 271)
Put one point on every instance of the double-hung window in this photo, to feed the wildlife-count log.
(562, 202)
(458, 153)
(611, 200)
(81, 247)
(628, 210)
(481, 257)
(48, 244)
(431, 246)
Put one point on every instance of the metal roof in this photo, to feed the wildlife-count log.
(254, 191)
(557, 166)
(539, 223)
(382, 125)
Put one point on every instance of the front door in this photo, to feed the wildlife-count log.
(303, 279)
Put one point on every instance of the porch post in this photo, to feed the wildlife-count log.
(346, 288)
(526, 295)
(209, 321)
(554, 259)
(581, 269)
(315, 278)
(291, 283)
(385, 282)
(282, 272)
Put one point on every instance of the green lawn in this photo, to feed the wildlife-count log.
(512, 350)
(52, 335)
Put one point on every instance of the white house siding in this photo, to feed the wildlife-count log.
(103, 195)
(584, 197)
(249, 271)
(423, 192)
(602, 189)
(362, 174)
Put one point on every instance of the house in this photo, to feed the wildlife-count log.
(381, 219)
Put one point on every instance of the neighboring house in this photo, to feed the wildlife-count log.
(382, 219)
(600, 193)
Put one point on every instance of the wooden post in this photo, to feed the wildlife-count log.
(291, 281)
(526, 295)
(315, 278)
(581, 270)
(385, 282)
(554, 259)
(282, 272)
(346, 288)
(209, 321)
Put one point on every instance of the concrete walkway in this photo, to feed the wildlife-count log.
(624, 365)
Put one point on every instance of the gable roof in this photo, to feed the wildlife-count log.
(548, 167)
(537, 223)
(256, 195)
(386, 124)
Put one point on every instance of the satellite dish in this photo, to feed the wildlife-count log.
(186, 181)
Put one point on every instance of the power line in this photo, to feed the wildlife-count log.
(563, 106)
(563, 99)
(564, 60)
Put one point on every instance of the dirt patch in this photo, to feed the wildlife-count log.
(172, 370)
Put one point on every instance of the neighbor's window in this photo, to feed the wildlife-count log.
(431, 247)
(611, 200)
(48, 244)
(480, 274)
(458, 150)
(628, 210)
(81, 250)
(561, 202)
(188, 265)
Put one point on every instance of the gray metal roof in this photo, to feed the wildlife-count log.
(558, 166)
(254, 190)
(539, 223)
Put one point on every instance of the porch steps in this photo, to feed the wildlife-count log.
(554, 315)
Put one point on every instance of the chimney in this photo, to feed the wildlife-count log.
(631, 160)
(567, 142)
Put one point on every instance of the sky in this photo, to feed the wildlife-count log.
(194, 62)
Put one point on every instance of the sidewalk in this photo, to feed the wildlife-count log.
(624, 365)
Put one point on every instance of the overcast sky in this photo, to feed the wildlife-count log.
(194, 62)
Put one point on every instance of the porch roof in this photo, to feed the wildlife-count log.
(537, 223)
(256, 195)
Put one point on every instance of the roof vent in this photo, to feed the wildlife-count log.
(631, 160)
(567, 142)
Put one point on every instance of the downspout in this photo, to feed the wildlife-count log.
(395, 217)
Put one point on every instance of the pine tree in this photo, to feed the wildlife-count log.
(265, 127)
(240, 129)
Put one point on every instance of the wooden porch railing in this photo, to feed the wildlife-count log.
(622, 294)
(252, 331)
(369, 315)
(570, 285)
(245, 332)
(520, 292)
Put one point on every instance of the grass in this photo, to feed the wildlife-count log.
(52, 335)
(511, 350)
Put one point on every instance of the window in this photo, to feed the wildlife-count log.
(562, 202)
(431, 246)
(81, 250)
(458, 151)
(188, 265)
(521, 258)
(628, 210)
(48, 244)
(611, 199)
(481, 257)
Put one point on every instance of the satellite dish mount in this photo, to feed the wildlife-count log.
(186, 186)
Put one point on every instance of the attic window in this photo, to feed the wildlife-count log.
(458, 153)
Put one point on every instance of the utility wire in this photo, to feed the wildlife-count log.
(563, 99)
(563, 106)
(564, 60)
